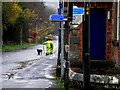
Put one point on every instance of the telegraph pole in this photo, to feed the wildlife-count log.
(86, 46)
(67, 43)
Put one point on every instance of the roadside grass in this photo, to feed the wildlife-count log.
(15, 47)
(61, 83)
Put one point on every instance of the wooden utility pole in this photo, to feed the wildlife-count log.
(67, 43)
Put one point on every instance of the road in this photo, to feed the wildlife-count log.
(25, 69)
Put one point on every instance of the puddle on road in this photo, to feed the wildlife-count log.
(23, 63)
(35, 83)
(49, 76)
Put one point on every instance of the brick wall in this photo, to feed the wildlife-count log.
(109, 35)
(80, 45)
(113, 22)
(115, 54)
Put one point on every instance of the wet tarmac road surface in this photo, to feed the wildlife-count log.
(29, 70)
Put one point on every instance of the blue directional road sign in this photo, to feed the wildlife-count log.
(56, 17)
(78, 10)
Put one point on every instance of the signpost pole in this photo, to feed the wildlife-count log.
(60, 18)
(59, 36)
(59, 46)
(62, 51)
(62, 45)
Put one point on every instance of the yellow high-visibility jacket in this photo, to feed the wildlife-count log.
(49, 46)
(52, 47)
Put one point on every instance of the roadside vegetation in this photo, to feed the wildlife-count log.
(61, 83)
(15, 47)
(20, 20)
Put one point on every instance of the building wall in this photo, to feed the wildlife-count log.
(109, 28)
(80, 44)
(114, 34)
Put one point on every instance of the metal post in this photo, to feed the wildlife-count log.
(36, 32)
(62, 45)
(59, 38)
(86, 47)
(59, 45)
(62, 51)
(67, 56)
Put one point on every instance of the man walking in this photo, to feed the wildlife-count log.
(49, 45)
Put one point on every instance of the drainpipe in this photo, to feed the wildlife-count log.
(118, 22)
(118, 31)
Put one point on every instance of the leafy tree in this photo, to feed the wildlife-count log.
(10, 12)
(25, 15)
(14, 18)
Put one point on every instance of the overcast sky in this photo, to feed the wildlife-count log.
(50, 0)
(52, 4)
(58, 0)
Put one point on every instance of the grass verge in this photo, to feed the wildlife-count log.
(15, 47)
(61, 84)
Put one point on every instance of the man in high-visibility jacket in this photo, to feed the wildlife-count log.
(52, 46)
(49, 45)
